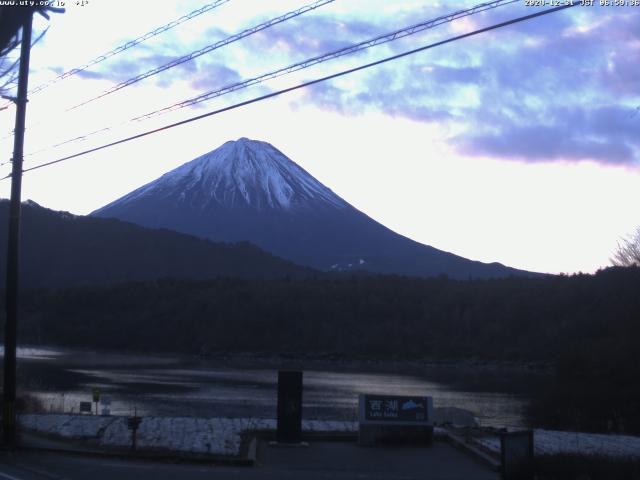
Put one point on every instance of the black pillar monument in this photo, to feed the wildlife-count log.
(289, 407)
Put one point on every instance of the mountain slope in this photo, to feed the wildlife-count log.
(60, 250)
(249, 190)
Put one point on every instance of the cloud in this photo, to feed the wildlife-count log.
(91, 75)
(123, 69)
(561, 97)
(607, 134)
(313, 35)
(402, 96)
(562, 87)
(214, 75)
(541, 143)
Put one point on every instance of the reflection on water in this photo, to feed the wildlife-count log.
(34, 352)
(174, 386)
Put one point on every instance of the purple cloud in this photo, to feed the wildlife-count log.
(555, 88)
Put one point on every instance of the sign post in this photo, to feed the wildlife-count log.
(96, 398)
(395, 419)
(132, 424)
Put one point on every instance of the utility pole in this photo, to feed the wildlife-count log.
(13, 250)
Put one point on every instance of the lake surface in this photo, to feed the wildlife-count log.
(244, 386)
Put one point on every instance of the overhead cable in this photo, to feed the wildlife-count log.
(130, 44)
(385, 38)
(209, 48)
(380, 39)
(303, 85)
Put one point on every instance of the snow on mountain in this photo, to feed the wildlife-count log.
(247, 190)
(244, 173)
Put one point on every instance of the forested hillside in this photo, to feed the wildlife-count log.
(588, 326)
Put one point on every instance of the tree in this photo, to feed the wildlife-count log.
(628, 252)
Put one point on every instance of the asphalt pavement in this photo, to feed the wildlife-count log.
(320, 460)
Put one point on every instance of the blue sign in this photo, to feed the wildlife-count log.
(394, 408)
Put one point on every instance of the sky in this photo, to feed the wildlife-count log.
(518, 145)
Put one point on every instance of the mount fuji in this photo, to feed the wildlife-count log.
(248, 190)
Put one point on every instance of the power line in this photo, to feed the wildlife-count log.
(115, 51)
(123, 47)
(303, 85)
(385, 38)
(381, 39)
(189, 57)
(209, 48)
(130, 44)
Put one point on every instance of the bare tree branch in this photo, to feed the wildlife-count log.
(628, 252)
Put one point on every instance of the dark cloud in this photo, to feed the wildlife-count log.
(544, 90)
(543, 144)
(607, 135)
(454, 75)
(621, 74)
(560, 95)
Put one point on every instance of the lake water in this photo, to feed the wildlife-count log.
(247, 386)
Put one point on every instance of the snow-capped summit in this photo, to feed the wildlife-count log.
(247, 190)
(240, 174)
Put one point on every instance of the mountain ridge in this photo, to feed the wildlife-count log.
(59, 249)
(249, 190)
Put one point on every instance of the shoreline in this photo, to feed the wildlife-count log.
(297, 360)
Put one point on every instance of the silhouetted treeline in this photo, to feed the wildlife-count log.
(61, 250)
(587, 325)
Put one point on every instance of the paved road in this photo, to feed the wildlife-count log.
(321, 460)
